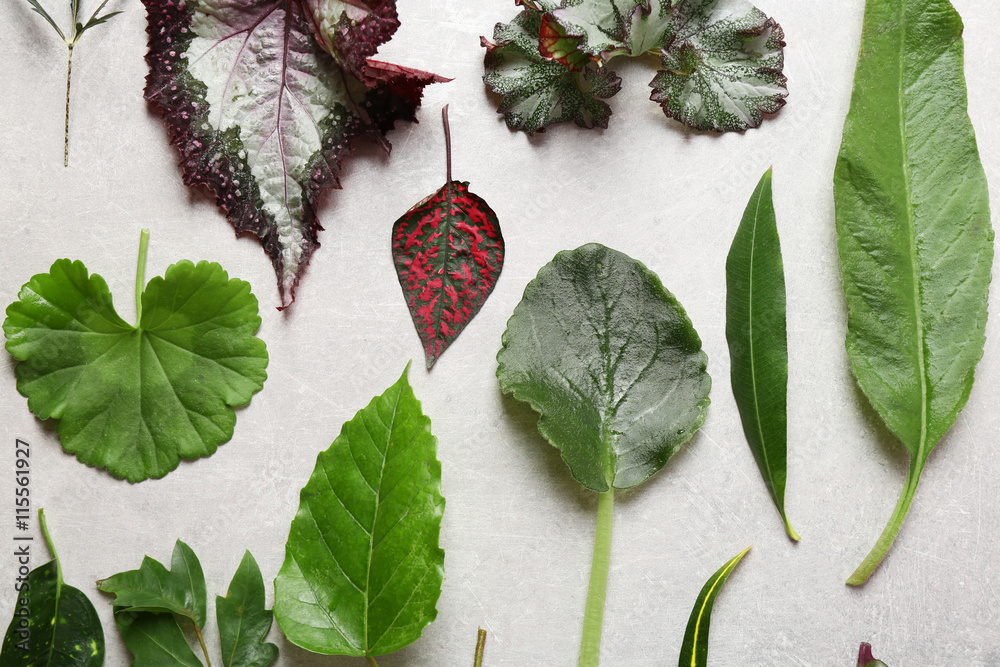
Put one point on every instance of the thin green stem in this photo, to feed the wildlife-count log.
(371, 661)
(50, 545)
(788, 527)
(593, 617)
(477, 661)
(69, 74)
(888, 536)
(140, 274)
(204, 649)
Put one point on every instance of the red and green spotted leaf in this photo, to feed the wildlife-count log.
(265, 99)
(448, 251)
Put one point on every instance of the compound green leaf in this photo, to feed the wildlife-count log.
(136, 400)
(758, 348)
(610, 361)
(180, 590)
(363, 569)
(155, 639)
(694, 649)
(865, 657)
(53, 625)
(537, 92)
(243, 619)
(913, 230)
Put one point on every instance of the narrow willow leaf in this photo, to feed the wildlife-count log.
(243, 619)
(265, 99)
(363, 569)
(913, 230)
(865, 657)
(135, 400)
(758, 348)
(537, 92)
(610, 361)
(694, 649)
(54, 625)
(155, 640)
(448, 251)
(180, 590)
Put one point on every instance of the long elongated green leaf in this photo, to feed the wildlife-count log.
(694, 649)
(758, 347)
(363, 569)
(610, 361)
(53, 625)
(913, 229)
(243, 619)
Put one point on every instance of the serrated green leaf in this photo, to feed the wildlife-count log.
(536, 92)
(913, 230)
(758, 347)
(53, 625)
(610, 361)
(180, 590)
(155, 640)
(609, 28)
(363, 569)
(694, 648)
(243, 619)
(136, 400)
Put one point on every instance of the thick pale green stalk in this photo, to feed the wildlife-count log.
(140, 274)
(477, 661)
(888, 535)
(593, 617)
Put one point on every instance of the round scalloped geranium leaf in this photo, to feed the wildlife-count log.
(136, 400)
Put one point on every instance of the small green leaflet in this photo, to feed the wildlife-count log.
(149, 600)
(136, 400)
(448, 251)
(865, 657)
(363, 569)
(54, 625)
(537, 92)
(758, 349)
(610, 361)
(694, 649)
(721, 61)
(913, 230)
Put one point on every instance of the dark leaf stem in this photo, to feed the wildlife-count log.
(447, 141)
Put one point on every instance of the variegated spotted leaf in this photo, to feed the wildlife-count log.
(608, 28)
(263, 114)
(448, 251)
(537, 92)
(722, 67)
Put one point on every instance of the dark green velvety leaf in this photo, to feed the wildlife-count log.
(865, 657)
(758, 347)
(155, 640)
(136, 400)
(180, 590)
(610, 361)
(694, 649)
(363, 569)
(537, 92)
(243, 620)
(54, 625)
(913, 230)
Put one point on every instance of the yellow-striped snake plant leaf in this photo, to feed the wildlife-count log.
(913, 230)
(53, 624)
(758, 347)
(612, 364)
(694, 648)
(363, 569)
